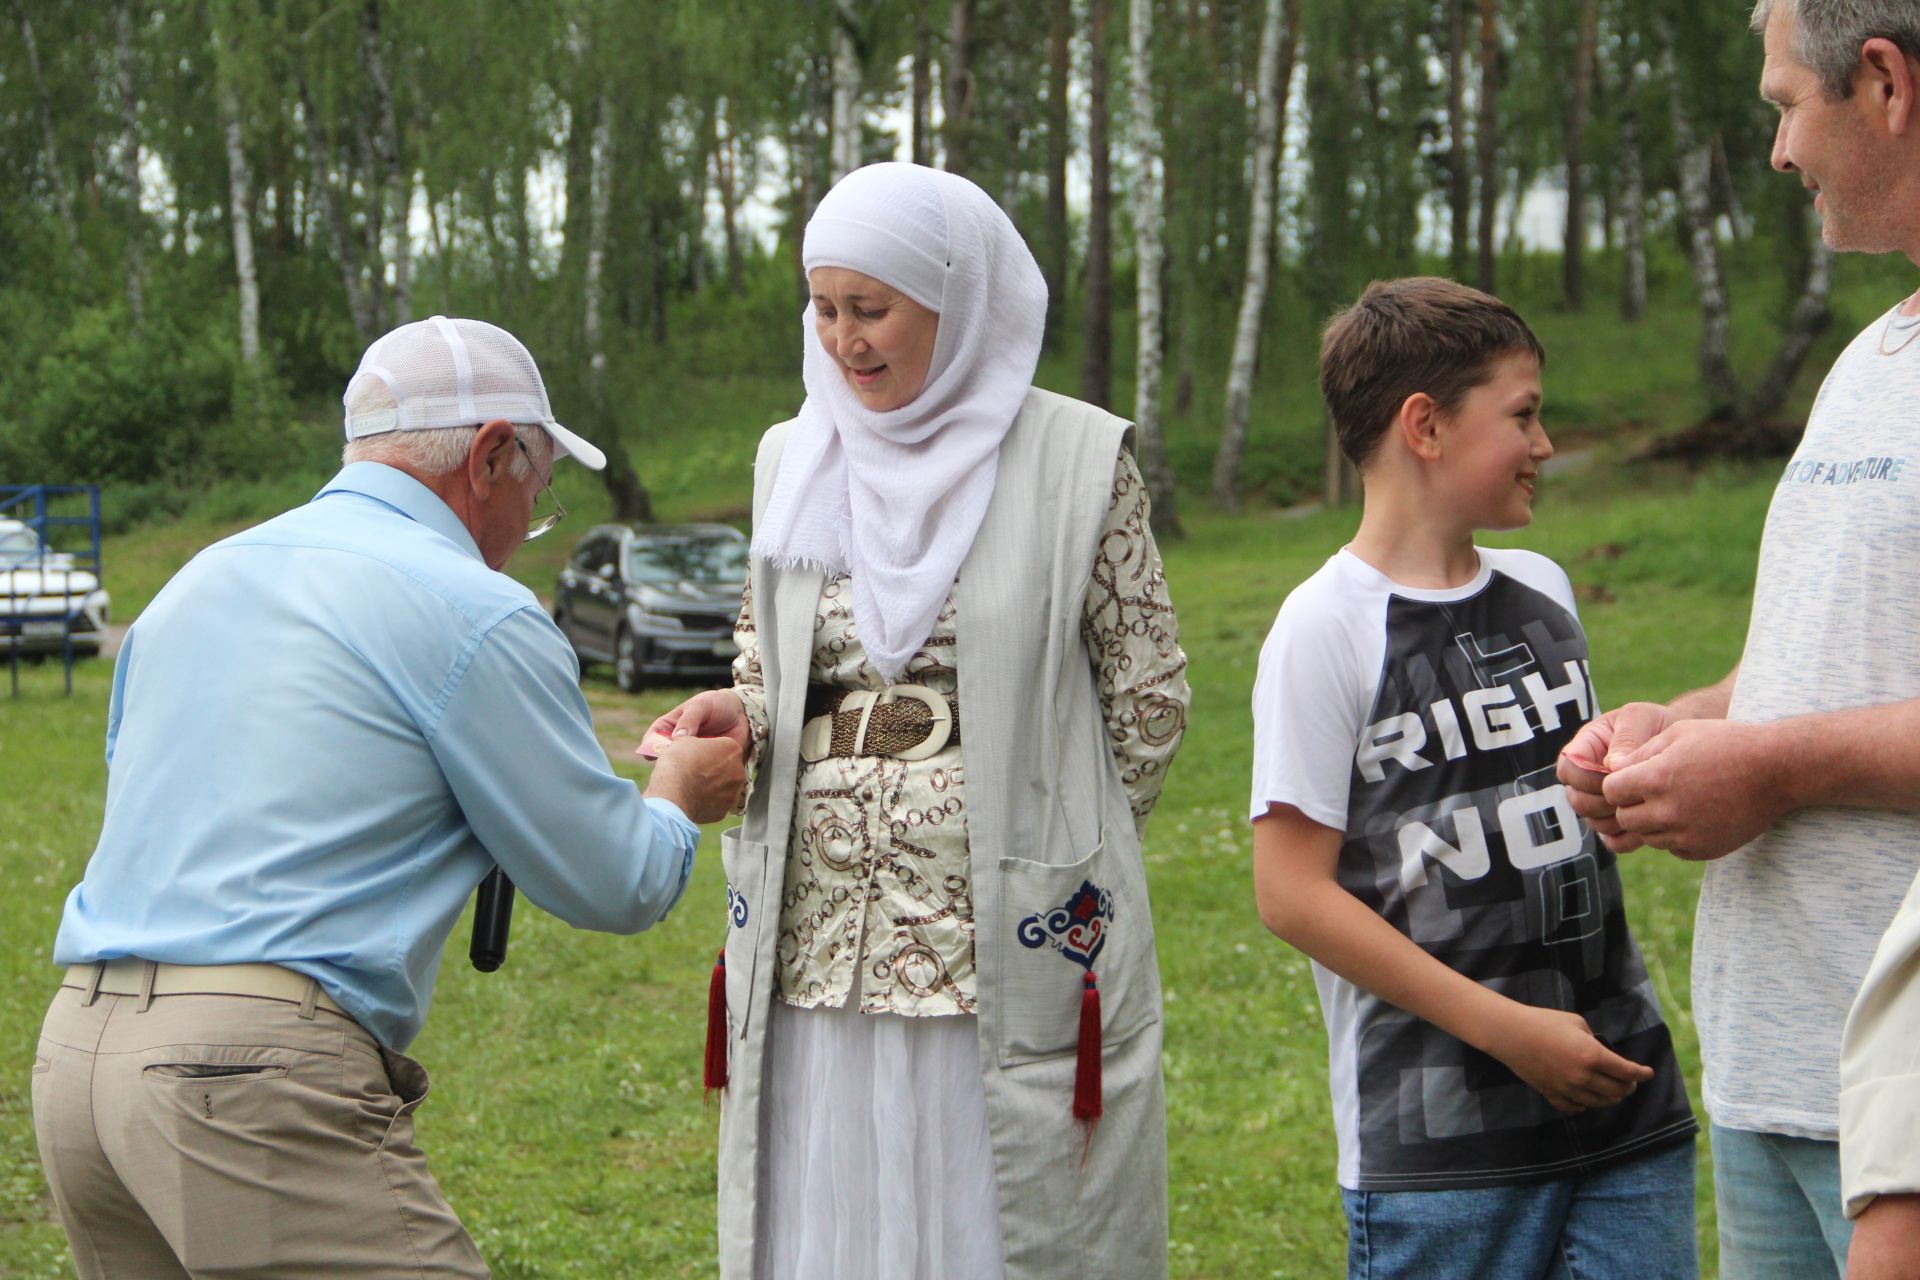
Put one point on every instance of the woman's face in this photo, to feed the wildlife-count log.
(881, 340)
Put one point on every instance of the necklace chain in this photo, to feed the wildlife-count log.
(1912, 333)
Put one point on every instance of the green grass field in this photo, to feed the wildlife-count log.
(567, 1122)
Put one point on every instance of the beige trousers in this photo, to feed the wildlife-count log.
(222, 1135)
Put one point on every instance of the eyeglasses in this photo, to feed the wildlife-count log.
(541, 523)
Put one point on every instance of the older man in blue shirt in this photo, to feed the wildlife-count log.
(324, 731)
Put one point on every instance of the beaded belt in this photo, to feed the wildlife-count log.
(904, 721)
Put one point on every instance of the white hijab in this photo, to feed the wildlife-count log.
(894, 499)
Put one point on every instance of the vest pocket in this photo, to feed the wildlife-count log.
(1060, 921)
(745, 865)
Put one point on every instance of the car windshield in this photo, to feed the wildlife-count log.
(698, 559)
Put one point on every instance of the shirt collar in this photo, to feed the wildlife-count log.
(404, 494)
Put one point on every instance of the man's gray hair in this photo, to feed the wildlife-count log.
(1827, 34)
(439, 450)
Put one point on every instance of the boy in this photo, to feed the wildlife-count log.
(1505, 1092)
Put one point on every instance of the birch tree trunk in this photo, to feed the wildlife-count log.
(1277, 34)
(631, 501)
(49, 141)
(1059, 79)
(130, 162)
(725, 177)
(920, 148)
(1489, 119)
(1574, 242)
(1459, 163)
(339, 235)
(600, 201)
(1693, 158)
(1808, 320)
(1633, 201)
(1096, 352)
(846, 89)
(239, 198)
(396, 185)
(1148, 215)
(959, 88)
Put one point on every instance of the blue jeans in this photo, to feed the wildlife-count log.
(1630, 1219)
(1778, 1200)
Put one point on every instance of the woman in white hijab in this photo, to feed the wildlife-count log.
(936, 1018)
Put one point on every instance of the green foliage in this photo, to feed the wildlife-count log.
(101, 402)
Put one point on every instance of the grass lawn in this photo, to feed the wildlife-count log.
(567, 1123)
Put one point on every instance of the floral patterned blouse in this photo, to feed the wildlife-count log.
(877, 870)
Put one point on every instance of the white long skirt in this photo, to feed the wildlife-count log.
(878, 1165)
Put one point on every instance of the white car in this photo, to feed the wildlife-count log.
(43, 593)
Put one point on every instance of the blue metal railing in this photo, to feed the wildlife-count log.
(65, 518)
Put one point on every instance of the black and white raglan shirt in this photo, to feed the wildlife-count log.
(1425, 725)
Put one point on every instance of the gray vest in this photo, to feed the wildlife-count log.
(1049, 828)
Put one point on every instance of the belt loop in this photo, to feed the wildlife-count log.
(148, 969)
(312, 999)
(99, 968)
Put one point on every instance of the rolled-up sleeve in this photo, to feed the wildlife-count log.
(1880, 1070)
(516, 743)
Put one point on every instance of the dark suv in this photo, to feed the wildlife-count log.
(654, 599)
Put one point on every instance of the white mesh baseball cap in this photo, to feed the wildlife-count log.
(453, 373)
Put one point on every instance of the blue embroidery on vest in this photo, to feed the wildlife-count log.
(1077, 929)
(737, 907)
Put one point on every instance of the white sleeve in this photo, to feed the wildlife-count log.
(1308, 710)
(1880, 1071)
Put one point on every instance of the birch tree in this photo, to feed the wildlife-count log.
(1809, 316)
(395, 182)
(135, 263)
(846, 89)
(1278, 32)
(958, 85)
(1489, 118)
(1096, 349)
(1459, 164)
(49, 140)
(239, 195)
(1572, 279)
(1148, 216)
(1056, 248)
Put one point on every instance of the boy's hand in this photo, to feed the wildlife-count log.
(1557, 1053)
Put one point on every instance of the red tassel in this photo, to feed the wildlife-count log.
(1087, 1099)
(716, 1070)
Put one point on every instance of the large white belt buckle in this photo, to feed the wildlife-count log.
(937, 733)
(816, 737)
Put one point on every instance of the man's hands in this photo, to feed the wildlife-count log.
(1699, 787)
(703, 776)
(1600, 747)
(700, 750)
(1555, 1052)
(717, 713)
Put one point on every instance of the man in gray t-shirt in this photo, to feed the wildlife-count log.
(1802, 762)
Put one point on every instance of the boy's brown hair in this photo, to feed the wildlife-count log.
(1414, 334)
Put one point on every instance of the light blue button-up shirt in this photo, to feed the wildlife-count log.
(325, 730)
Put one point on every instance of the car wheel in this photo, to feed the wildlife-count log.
(626, 661)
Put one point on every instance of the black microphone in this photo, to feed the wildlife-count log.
(492, 917)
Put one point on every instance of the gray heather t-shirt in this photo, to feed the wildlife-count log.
(1787, 924)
